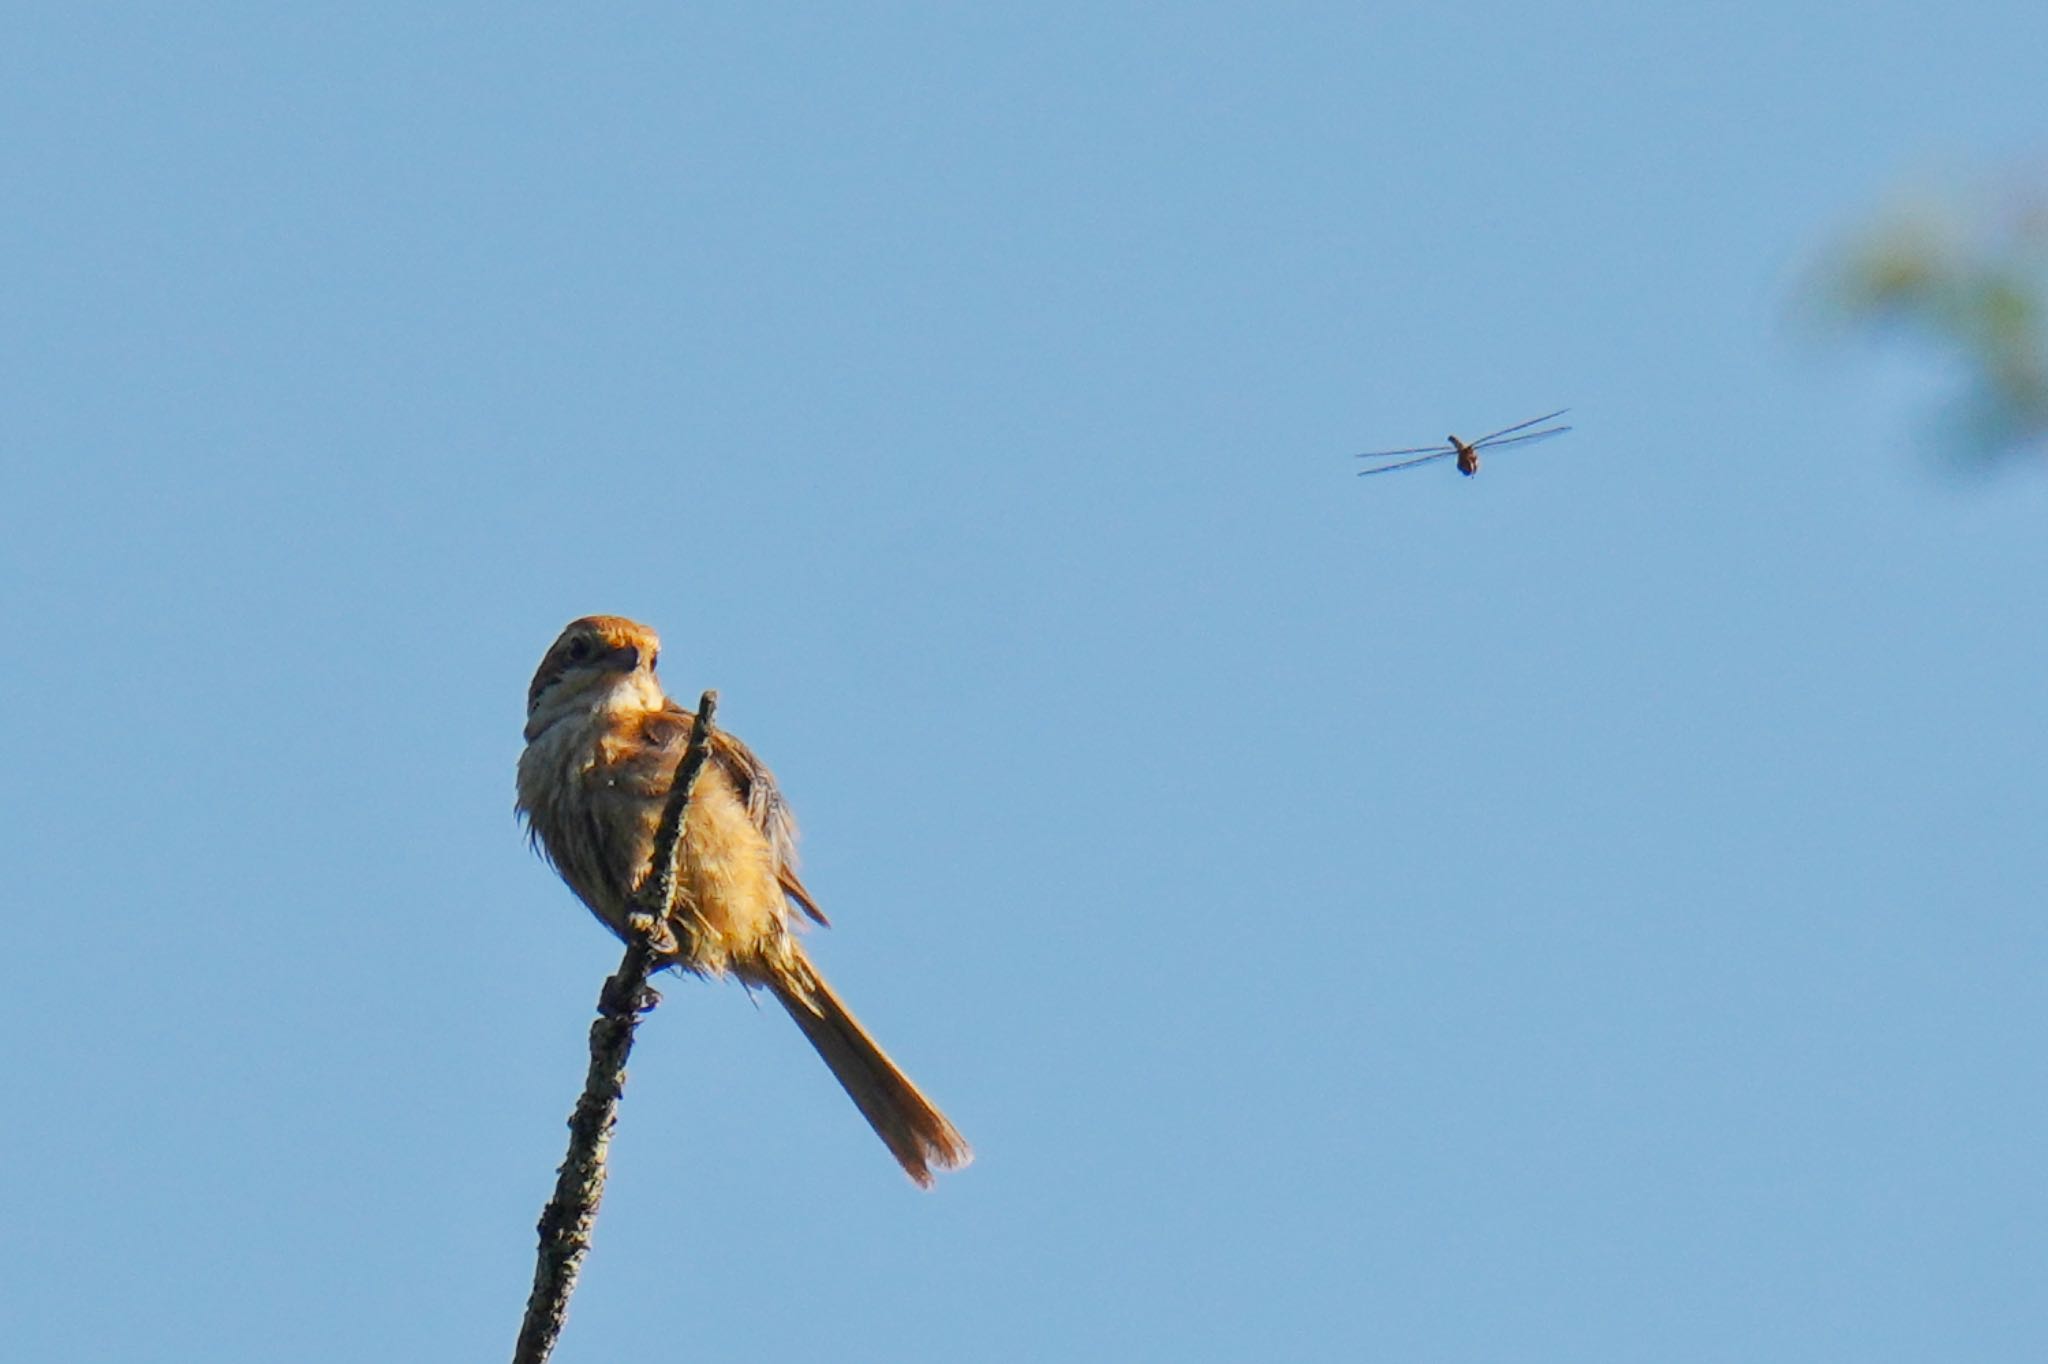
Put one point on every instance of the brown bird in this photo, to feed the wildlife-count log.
(602, 745)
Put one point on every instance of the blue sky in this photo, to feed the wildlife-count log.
(1587, 912)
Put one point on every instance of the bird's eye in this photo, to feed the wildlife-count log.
(654, 659)
(579, 650)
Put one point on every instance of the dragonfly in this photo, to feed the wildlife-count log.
(1468, 451)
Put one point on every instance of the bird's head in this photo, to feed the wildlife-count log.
(597, 663)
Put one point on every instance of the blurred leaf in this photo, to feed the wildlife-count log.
(1968, 279)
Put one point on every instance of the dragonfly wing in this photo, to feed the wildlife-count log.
(1418, 450)
(1533, 435)
(1408, 463)
(1533, 421)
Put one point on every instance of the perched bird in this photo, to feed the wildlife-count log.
(602, 746)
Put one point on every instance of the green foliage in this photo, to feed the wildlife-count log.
(1971, 280)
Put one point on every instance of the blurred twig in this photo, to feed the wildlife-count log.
(566, 1222)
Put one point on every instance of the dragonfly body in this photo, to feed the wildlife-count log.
(1468, 458)
(1467, 452)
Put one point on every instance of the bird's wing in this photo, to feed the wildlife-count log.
(669, 731)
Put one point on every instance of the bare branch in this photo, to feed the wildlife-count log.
(655, 899)
(566, 1222)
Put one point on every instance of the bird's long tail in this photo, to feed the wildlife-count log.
(913, 1129)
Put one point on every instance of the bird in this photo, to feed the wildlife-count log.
(603, 742)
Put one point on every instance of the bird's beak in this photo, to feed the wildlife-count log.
(625, 658)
